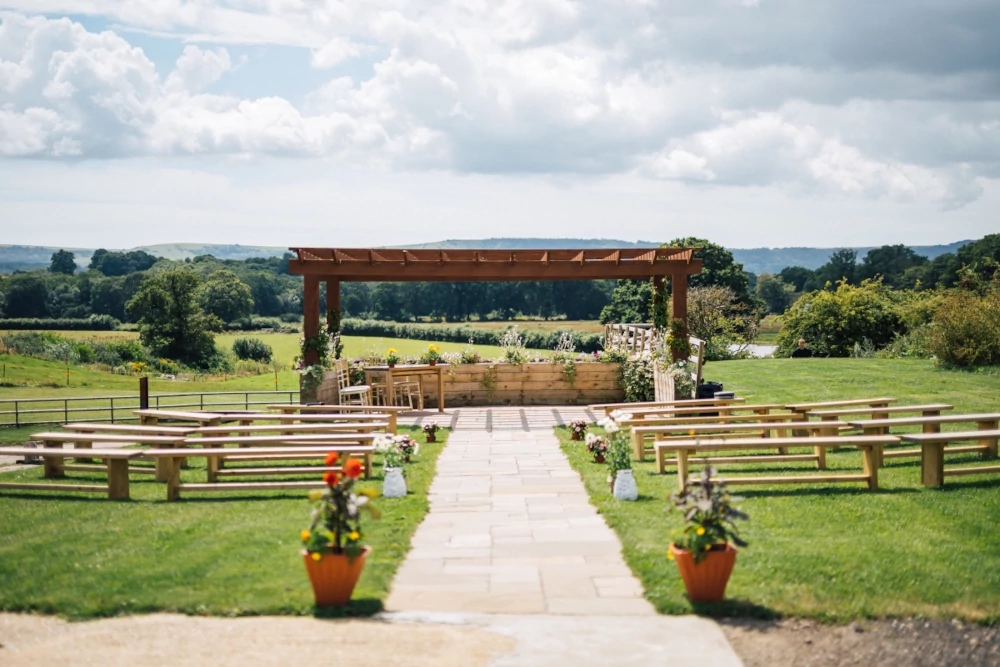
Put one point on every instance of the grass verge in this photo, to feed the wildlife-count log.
(234, 553)
(833, 552)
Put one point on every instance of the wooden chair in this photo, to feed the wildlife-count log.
(347, 393)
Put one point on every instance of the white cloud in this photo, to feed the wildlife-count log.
(699, 91)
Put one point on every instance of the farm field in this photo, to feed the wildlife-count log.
(833, 552)
(286, 346)
(589, 326)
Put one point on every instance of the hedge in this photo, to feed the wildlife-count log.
(92, 323)
(534, 339)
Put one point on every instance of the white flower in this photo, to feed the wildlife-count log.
(604, 421)
(611, 428)
(591, 437)
(382, 443)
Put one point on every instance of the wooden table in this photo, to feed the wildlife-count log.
(408, 369)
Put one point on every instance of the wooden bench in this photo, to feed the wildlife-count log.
(929, 410)
(984, 422)
(85, 441)
(128, 429)
(356, 442)
(292, 429)
(642, 437)
(171, 460)
(391, 410)
(639, 409)
(762, 429)
(932, 451)
(115, 464)
(152, 417)
(684, 449)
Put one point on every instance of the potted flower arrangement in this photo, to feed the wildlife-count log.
(393, 460)
(430, 430)
(703, 549)
(597, 446)
(432, 355)
(619, 456)
(334, 548)
(407, 446)
(578, 428)
(392, 357)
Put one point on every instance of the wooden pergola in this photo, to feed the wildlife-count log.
(334, 265)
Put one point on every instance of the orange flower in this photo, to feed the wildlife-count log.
(331, 478)
(352, 468)
(332, 458)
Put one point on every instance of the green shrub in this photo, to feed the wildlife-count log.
(966, 329)
(637, 378)
(92, 323)
(832, 322)
(252, 349)
(532, 339)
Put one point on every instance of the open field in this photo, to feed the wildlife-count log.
(231, 553)
(286, 346)
(589, 326)
(834, 552)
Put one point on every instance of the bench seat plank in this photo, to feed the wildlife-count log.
(290, 428)
(988, 417)
(889, 410)
(806, 407)
(130, 429)
(56, 436)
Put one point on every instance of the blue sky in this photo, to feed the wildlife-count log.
(750, 122)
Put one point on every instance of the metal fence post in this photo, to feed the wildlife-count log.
(246, 401)
(66, 411)
(112, 400)
(17, 416)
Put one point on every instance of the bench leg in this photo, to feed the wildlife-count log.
(932, 464)
(871, 465)
(212, 468)
(51, 466)
(163, 467)
(173, 466)
(368, 465)
(820, 457)
(638, 446)
(682, 468)
(118, 479)
(392, 421)
(661, 460)
(989, 443)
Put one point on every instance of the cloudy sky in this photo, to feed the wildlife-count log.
(283, 122)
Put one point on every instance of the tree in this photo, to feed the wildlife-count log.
(121, 263)
(226, 297)
(773, 291)
(718, 267)
(842, 265)
(107, 297)
(631, 302)
(890, 262)
(64, 262)
(171, 323)
(797, 277)
(27, 296)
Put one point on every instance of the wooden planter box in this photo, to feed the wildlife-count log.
(527, 384)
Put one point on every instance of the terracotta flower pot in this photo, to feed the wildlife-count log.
(431, 437)
(598, 458)
(576, 435)
(334, 576)
(433, 362)
(705, 581)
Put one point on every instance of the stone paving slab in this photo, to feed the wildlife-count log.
(511, 530)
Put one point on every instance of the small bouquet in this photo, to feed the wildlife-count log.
(432, 355)
(392, 357)
(407, 446)
(597, 446)
(578, 427)
(395, 449)
(335, 525)
(430, 430)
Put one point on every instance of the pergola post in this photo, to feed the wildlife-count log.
(679, 290)
(332, 302)
(310, 315)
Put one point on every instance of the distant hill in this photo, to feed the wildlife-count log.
(755, 260)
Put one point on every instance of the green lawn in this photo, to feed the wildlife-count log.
(833, 552)
(222, 553)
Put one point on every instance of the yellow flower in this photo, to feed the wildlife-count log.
(391, 350)
(316, 556)
(354, 535)
(305, 535)
(315, 495)
(700, 531)
(691, 432)
(670, 555)
(707, 547)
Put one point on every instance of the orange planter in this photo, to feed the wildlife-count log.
(705, 581)
(334, 576)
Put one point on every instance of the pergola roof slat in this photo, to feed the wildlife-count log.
(422, 264)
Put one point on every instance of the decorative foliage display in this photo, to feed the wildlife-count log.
(637, 378)
(396, 450)
(514, 351)
(619, 455)
(579, 427)
(392, 356)
(710, 516)
(430, 430)
(335, 526)
(597, 446)
(432, 355)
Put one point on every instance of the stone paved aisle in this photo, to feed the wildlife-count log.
(510, 530)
